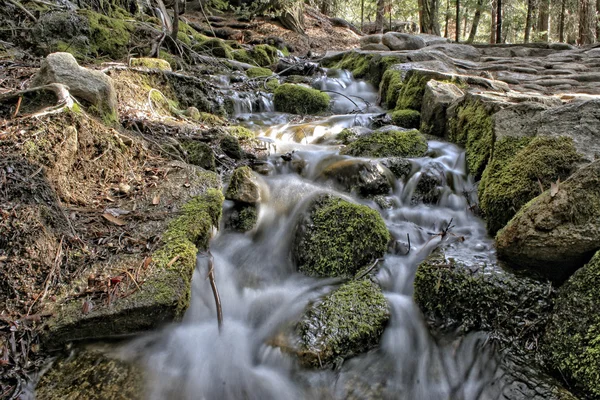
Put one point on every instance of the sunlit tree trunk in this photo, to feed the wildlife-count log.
(587, 21)
(529, 20)
(561, 23)
(544, 20)
(494, 21)
(428, 16)
(457, 36)
(447, 18)
(379, 16)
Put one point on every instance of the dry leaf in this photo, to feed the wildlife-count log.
(147, 262)
(113, 219)
(554, 187)
(156, 199)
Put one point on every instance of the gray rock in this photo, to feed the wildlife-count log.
(92, 87)
(436, 99)
(400, 167)
(375, 47)
(365, 177)
(430, 184)
(402, 41)
(556, 235)
(460, 51)
(243, 186)
(370, 39)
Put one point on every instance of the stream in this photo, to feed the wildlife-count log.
(261, 291)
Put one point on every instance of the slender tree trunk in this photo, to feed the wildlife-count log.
(379, 16)
(175, 30)
(476, 19)
(494, 22)
(457, 38)
(499, 21)
(428, 16)
(561, 23)
(597, 20)
(362, 15)
(528, 20)
(544, 20)
(587, 21)
(447, 18)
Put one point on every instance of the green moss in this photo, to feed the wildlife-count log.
(346, 136)
(338, 238)
(152, 63)
(215, 47)
(356, 63)
(243, 134)
(243, 186)
(388, 144)
(344, 323)
(516, 170)
(168, 57)
(211, 119)
(242, 56)
(109, 37)
(243, 219)
(391, 84)
(572, 340)
(257, 72)
(410, 119)
(189, 35)
(411, 92)
(298, 99)
(199, 154)
(264, 55)
(472, 128)
(272, 84)
(231, 146)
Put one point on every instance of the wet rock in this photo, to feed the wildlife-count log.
(346, 322)
(410, 119)
(517, 169)
(402, 41)
(571, 343)
(241, 218)
(437, 98)
(400, 167)
(388, 143)
(91, 375)
(348, 135)
(431, 183)
(199, 154)
(92, 87)
(243, 186)
(455, 292)
(298, 99)
(337, 238)
(364, 177)
(231, 147)
(298, 67)
(454, 50)
(556, 233)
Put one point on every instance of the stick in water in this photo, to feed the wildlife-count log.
(213, 285)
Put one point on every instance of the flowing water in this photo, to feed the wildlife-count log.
(261, 291)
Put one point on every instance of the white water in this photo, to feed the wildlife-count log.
(261, 291)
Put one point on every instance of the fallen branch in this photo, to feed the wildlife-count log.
(213, 285)
(22, 8)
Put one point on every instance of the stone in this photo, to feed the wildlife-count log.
(336, 238)
(454, 50)
(400, 167)
(437, 98)
(370, 39)
(298, 99)
(402, 41)
(365, 177)
(241, 217)
(388, 143)
(430, 185)
(375, 47)
(150, 63)
(346, 322)
(554, 235)
(244, 186)
(91, 87)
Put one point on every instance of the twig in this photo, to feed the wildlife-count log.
(213, 285)
(206, 18)
(18, 106)
(26, 11)
(408, 237)
(341, 94)
(369, 269)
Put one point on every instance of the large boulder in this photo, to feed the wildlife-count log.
(430, 184)
(517, 169)
(298, 99)
(94, 88)
(244, 186)
(370, 39)
(454, 50)
(388, 143)
(402, 41)
(437, 98)
(365, 177)
(571, 343)
(558, 231)
(337, 238)
(346, 322)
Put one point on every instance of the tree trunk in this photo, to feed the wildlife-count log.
(379, 16)
(175, 30)
(598, 21)
(544, 20)
(494, 22)
(362, 15)
(528, 20)
(447, 18)
(476, 19)
(457, 37)
(587, 22)
(499, 21)
(561, 23)
(428, 16)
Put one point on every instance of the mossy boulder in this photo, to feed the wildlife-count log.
(391, 84)
(242, 217)
(264, 55)
(471, 294)
(230, 145)
(366, 178)
(109, 36)
(241, 133)
(243, 186)
(91, 375)
(299, 99)
(412, 90)
(558, 231)
(151, 63)
(388, 143)
(516, 170)
(257, 72)
(410, 119)
(337, 238)
(199, 154)
(571, 343)
(217, 48)
(346, 322)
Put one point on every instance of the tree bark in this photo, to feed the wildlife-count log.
(175, 30)
(476, 19)
(587, 22)
(428, 16)
(528, 20)
(494, 22)
(447, 18)
(499, 21)
(544, 20)
(457, 36)
(379, 16)
(561, 23)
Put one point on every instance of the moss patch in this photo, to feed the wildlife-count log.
(264, 55)
(257, 72)
(199, 154)
(109, 37)
(298, 99)
(344, 323)
(388, 144)
(152, 63)
(391, 84)
(338, 238)
(516, 170)
(411, 92)
(410, 119)
(472, 128)
(241, 133)
(572, 339)
(242, 218)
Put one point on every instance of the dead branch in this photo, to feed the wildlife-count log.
(213, 285)
(17, 4)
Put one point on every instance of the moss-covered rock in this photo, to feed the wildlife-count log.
(298, 99)
(217, 48)
(571, 343)
(152, 63)
(557, 232)
(471, 126)
(346, 322)
(91, 375)
(474, 295)
(366, 178)
(431, 183)
(109, 37)
(412, 90)
(243, 186)
(391, 84)
(242, 218)
(257, 72)
(231, 146)
(390, 143)
(516, 170)
(241, 133)
(272, 84)
(338, 238)
(264, 55)
(410, 119)
(199, 154)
